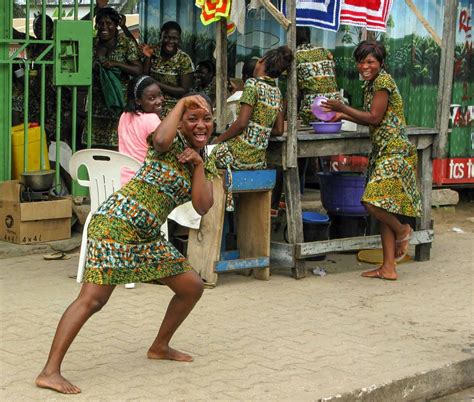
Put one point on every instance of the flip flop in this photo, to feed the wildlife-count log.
(378, 275)
(58, 255)
(407, 239)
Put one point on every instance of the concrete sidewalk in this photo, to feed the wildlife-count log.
(278, 340)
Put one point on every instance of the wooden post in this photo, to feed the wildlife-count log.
(423, 20)
(285, 23)
(425, 173)
(254, 228)
(204, 244)
(446, 71)
(292, 142)
(221, 73)
(291, 177)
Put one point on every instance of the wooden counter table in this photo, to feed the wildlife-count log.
(314, 145)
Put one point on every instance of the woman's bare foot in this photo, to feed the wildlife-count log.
(56, 382)
(168, 353)
(402, 241)
(381, 273)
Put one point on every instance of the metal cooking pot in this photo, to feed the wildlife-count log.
(38, 180)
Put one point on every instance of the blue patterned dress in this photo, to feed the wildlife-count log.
(125, 243)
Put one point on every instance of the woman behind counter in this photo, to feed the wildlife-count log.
(172, 68)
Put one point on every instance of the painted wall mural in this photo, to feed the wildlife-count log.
(414, 56)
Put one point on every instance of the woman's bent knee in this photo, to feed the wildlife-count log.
(93, 304)
(197, 288)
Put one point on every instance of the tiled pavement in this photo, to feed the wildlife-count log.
(277, 340)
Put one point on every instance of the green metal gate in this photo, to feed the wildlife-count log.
(61, 62)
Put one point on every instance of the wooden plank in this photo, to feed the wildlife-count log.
(280, 18)
(293, 216)
(221, 72)
(425, 174)
(230, 255)
(242, 263)
(291, 94)
(311, 249)
(424, 22)
(204, 244)
(445, 84)
(346, 146)
(312, 145)
(253, 228)
(282, 254)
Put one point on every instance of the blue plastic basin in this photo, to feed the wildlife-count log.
(341, 192)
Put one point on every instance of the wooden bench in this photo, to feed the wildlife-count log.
(206, 246)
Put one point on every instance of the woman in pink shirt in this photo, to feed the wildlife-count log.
(139, 120)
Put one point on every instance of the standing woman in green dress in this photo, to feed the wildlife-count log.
(391, 178)
(172, 68)
(125, 243)
(115, 59)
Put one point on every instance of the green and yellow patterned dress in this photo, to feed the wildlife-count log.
(168, 72)
(104, 120)
(247, 151)
(315, 73)
(391, 175)
(125, 243)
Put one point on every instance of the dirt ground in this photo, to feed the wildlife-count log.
(446, 220)
(461, 216)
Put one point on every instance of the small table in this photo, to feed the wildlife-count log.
(345, 142)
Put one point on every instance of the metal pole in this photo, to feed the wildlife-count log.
(6, 19)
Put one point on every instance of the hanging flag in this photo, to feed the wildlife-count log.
(322, 14)
(214, 10)
(372, 14)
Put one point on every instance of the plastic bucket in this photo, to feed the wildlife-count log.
(34, 156)
(341, 192)
(315, 228)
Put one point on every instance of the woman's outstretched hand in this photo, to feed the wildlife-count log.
(331, 105)
(189, 155)
(147, 50)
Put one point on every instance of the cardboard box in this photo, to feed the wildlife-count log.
(32, 222)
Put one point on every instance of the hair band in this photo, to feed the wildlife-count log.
(140, 80)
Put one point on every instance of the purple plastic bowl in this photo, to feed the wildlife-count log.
(322, 127)
(318, 111)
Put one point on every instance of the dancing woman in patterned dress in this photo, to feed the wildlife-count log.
(391, 178)
(124, 239)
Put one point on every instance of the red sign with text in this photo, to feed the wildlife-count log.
(453, 171)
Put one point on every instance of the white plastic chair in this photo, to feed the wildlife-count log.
(104, 169)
